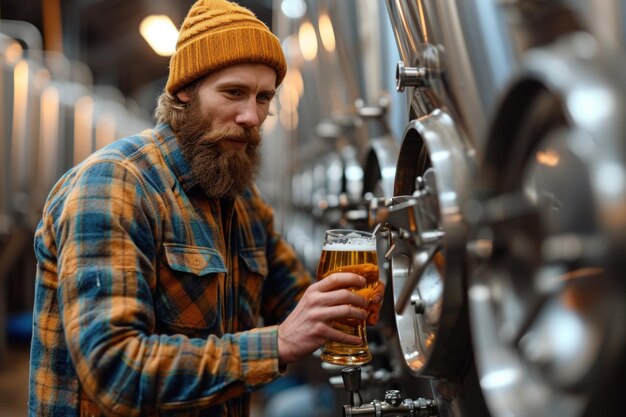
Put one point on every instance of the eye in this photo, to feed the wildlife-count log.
(264, 97)
(234, 92)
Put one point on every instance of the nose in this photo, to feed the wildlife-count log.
(248, 114)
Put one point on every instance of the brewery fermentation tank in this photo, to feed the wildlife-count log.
(51, 118)
(497, 197)
(546, 292)
(442, 229)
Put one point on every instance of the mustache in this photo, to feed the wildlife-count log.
(213, 136)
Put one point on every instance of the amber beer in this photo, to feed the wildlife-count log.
(349, 251)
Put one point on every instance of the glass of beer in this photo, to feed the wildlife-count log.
(354, 251)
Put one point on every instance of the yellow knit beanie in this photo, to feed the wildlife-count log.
(218, 33)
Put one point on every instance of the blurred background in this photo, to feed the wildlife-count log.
(101, 41)
(482, 140)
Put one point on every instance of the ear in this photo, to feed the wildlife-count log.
(183, 96)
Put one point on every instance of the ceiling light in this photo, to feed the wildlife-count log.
(293, 9)
(326, 32)
(160, 33)
(308, 41)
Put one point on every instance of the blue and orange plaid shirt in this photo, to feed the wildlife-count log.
(148, 294)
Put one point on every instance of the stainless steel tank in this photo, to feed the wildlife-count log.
(457, 67)
(48, 122)
(546, 295)
(470, 250)
(455, 54)
(349, 71)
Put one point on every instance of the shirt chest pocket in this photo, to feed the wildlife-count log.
(188, 293)
(255, 270)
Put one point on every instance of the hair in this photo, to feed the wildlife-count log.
(171, 110)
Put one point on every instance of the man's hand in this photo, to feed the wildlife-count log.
(309, 324)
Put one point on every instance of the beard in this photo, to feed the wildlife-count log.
(221, 172)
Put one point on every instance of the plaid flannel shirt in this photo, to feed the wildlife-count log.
(143, 304)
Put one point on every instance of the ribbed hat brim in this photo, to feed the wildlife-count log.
(218, 49)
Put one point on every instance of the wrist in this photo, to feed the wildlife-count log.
(284, 355)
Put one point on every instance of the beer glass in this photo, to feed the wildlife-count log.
(349, 251)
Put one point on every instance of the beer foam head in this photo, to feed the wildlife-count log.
(365, 247)
(362, 241)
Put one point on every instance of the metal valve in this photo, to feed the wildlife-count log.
(352, 381)
(393, 405)
(409, 76)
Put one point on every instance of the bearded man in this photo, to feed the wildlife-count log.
(157, 256)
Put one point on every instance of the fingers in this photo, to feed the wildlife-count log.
(336, 298)
(330, 313)
(342, 296)
(335, 335)
(304, 332)
(346, 288)
(340, 280)
(346, 311)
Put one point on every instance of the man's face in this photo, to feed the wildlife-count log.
(220, 136)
